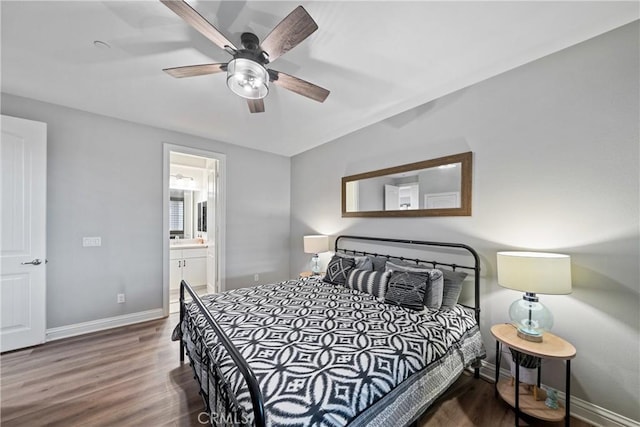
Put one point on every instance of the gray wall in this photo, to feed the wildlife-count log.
(556, 161)
(104, 178)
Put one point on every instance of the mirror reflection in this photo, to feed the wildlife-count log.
(436, 187)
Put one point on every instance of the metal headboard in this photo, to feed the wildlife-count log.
(475, 268)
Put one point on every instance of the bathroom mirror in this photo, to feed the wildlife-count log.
(435, 187)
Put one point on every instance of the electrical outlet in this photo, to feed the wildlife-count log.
(120, 298)
(256, 277)
(91, 241)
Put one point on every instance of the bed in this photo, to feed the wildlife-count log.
(308, 352)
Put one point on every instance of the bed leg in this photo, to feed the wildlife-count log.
(181, 319)
(477, 364)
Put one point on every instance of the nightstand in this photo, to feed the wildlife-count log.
(522, 400)
(305, 274)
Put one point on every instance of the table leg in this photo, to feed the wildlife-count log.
(536, 388)
(517, 365)
(498, 354)
(567, 417)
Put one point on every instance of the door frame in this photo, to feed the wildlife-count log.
(220, 208)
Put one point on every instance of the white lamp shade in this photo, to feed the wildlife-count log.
(316, 244)
(535, 272)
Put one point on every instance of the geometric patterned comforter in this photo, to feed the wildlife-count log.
(323, 354)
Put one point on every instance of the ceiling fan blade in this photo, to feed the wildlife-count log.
(195, 70)
(193, 18)
(293, 29)
(256, 105)
(299, 86)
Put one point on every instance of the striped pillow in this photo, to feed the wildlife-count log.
(371, 282)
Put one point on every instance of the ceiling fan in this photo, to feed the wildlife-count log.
(247, 75)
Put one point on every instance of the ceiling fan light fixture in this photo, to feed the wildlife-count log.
(247, 78)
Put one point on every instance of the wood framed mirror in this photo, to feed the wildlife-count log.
(435, 187)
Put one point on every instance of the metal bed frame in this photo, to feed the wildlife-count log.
(226, 409)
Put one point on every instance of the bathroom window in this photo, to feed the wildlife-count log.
(176, 214)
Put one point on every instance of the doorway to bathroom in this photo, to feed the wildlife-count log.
(193, 222)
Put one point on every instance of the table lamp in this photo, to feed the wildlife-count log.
(533, 273)
(314, 245)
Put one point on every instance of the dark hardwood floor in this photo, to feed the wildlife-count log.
(470, 402)
(131, 376)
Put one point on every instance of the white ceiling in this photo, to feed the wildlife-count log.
(377, 58)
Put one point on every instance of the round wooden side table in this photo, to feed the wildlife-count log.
(523, 400)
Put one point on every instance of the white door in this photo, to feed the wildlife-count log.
(352, 197)
(23, 186)
(391, 198)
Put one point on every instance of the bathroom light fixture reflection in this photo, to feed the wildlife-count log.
(181, 182)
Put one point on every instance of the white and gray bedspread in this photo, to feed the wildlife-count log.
(328, 355)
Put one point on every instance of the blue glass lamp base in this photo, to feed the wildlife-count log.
(530, 317)
(315, 264)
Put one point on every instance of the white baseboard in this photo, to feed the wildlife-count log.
(102, 324)
(580, 409)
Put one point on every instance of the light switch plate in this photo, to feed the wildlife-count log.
(91, 241)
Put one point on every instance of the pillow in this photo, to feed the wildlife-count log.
(338, 270)
(371, 282)
(452, 287)
(434, 292)
(379, 263)
(362, 262)
(398, 265)
(407, 289)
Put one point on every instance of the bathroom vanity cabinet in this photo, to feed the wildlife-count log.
(188, 264)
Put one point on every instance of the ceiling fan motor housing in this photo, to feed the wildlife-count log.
(250, 41)
(251, 49)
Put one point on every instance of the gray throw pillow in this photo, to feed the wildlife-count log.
(338, 270)
(407, 289)
(434, 290)
(379, 263)
(362, 262)
(452, 287)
